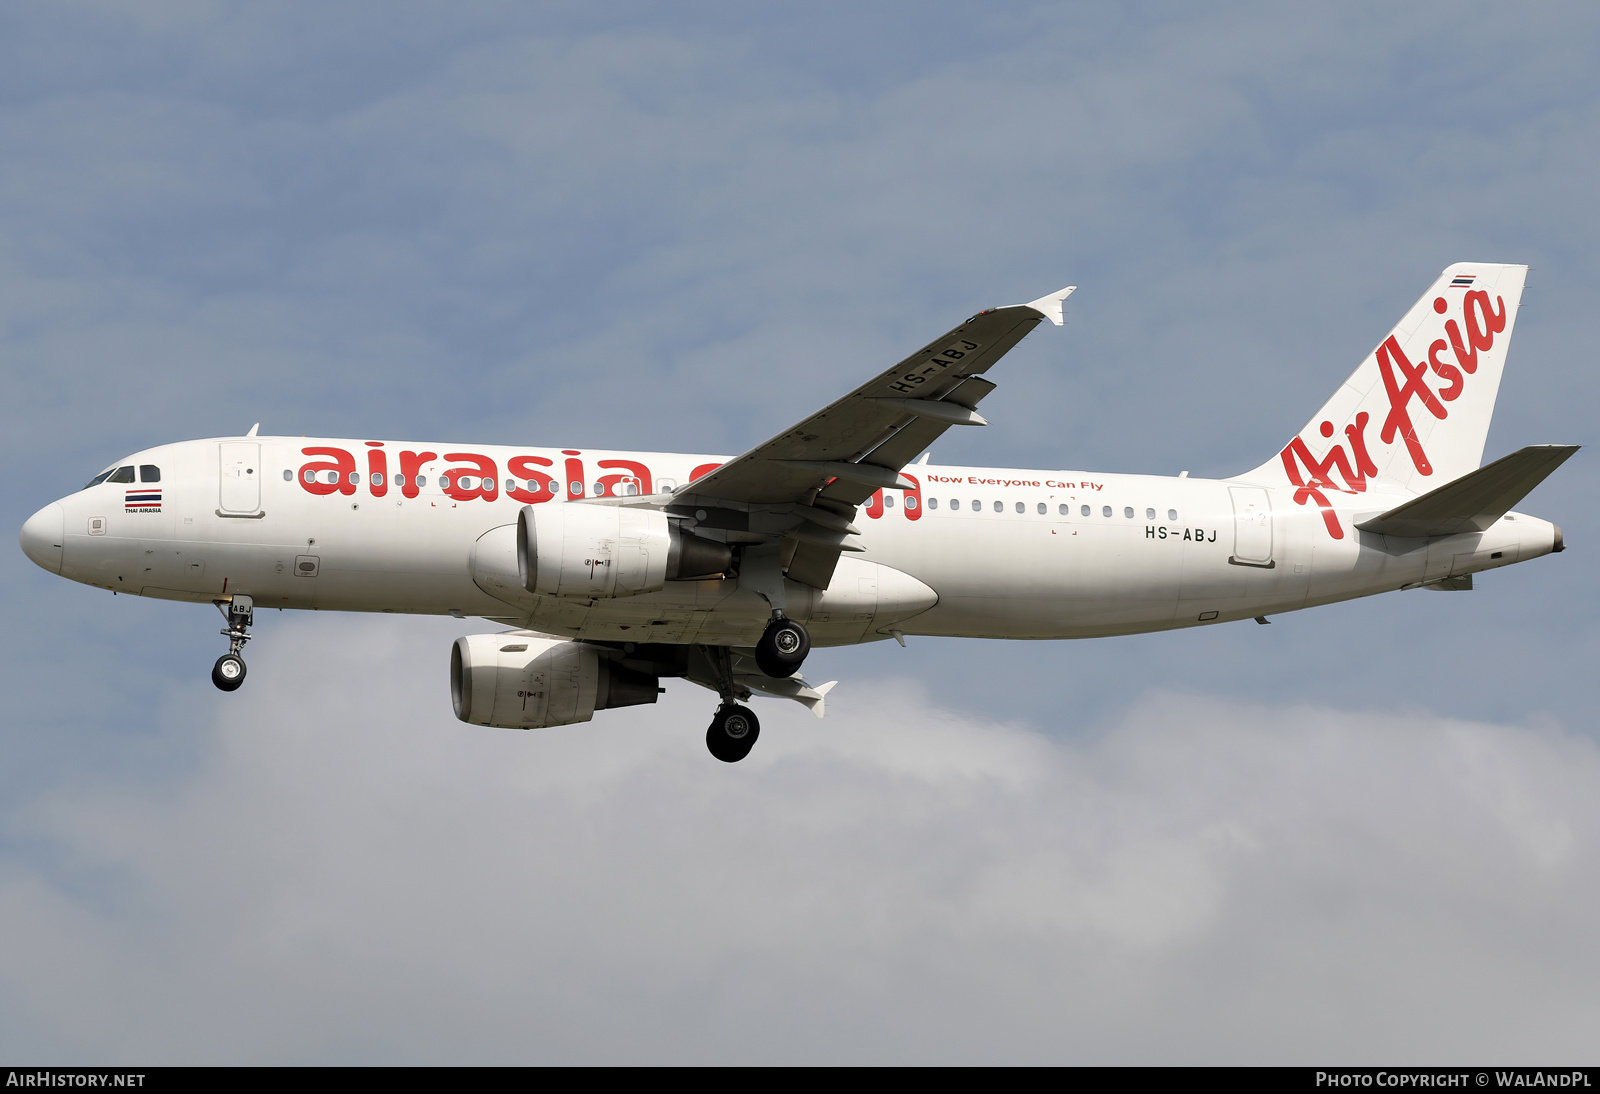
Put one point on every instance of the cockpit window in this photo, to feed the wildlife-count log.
(149, 472)
(98, 479)
(121, 474)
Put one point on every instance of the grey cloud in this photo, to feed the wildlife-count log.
(348, 874)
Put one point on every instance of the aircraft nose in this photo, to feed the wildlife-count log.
(43, 535)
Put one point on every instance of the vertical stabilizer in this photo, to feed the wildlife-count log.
(1415, 414)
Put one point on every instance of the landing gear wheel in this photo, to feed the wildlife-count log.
(228, 672)
(733, 733)
(783, 648)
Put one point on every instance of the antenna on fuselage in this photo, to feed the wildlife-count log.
(253, 429)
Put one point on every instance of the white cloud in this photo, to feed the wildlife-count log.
(349, 874)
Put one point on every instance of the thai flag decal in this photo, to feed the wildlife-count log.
(1462, 281)
(144, 499)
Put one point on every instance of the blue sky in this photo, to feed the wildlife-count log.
(683, 227)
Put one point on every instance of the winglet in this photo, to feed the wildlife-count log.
(1050, 305)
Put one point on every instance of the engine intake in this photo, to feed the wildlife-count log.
(521, 681)
(608, 551)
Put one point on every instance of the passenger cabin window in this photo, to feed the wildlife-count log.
(933, 503)
(121, 474)
(1064, 510)
(1105, 510)
(976, 505)
(1127, 511)
(1043, 509)
(999, 507)
(1172, 514)
(888, 501)
(288, 476)
(911, 501)
(1021, 508)
(1084, 511)
(149, 472)
(1149, 514)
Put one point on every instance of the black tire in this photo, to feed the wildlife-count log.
(783, 648)
(228, 672)
(733, 733)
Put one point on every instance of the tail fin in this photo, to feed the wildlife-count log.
(1415, 414)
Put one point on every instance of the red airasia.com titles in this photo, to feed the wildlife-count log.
(530, 478)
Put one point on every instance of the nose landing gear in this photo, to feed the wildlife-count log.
(228, 672)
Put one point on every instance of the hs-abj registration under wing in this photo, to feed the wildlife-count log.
(614, 570)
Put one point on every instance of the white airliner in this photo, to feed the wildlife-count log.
(617, 569)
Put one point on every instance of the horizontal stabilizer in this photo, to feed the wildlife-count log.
(1477, 499)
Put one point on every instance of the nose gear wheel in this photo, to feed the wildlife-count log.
(228, 673)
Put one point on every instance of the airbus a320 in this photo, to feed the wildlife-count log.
(616, 570)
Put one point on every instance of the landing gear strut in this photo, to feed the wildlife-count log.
(228, 672)
(733, 733)
(783, 647)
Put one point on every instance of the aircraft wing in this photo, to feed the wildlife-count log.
(803, 485)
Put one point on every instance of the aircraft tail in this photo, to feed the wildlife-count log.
(1415, 414)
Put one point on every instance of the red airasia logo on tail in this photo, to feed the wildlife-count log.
(1403, 383)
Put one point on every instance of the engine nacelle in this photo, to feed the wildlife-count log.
(520, 681)
(605, 551)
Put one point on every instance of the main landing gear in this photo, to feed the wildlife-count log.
(734, 730)
(733, 733)
(783, 647)
(228, 672)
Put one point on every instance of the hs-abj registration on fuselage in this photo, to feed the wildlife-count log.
(616, 569)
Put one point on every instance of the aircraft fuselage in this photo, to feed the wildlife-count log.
(959, 551)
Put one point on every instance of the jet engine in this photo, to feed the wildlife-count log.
(522, 681)
(608, 551)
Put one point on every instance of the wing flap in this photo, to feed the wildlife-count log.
(1477, 499)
